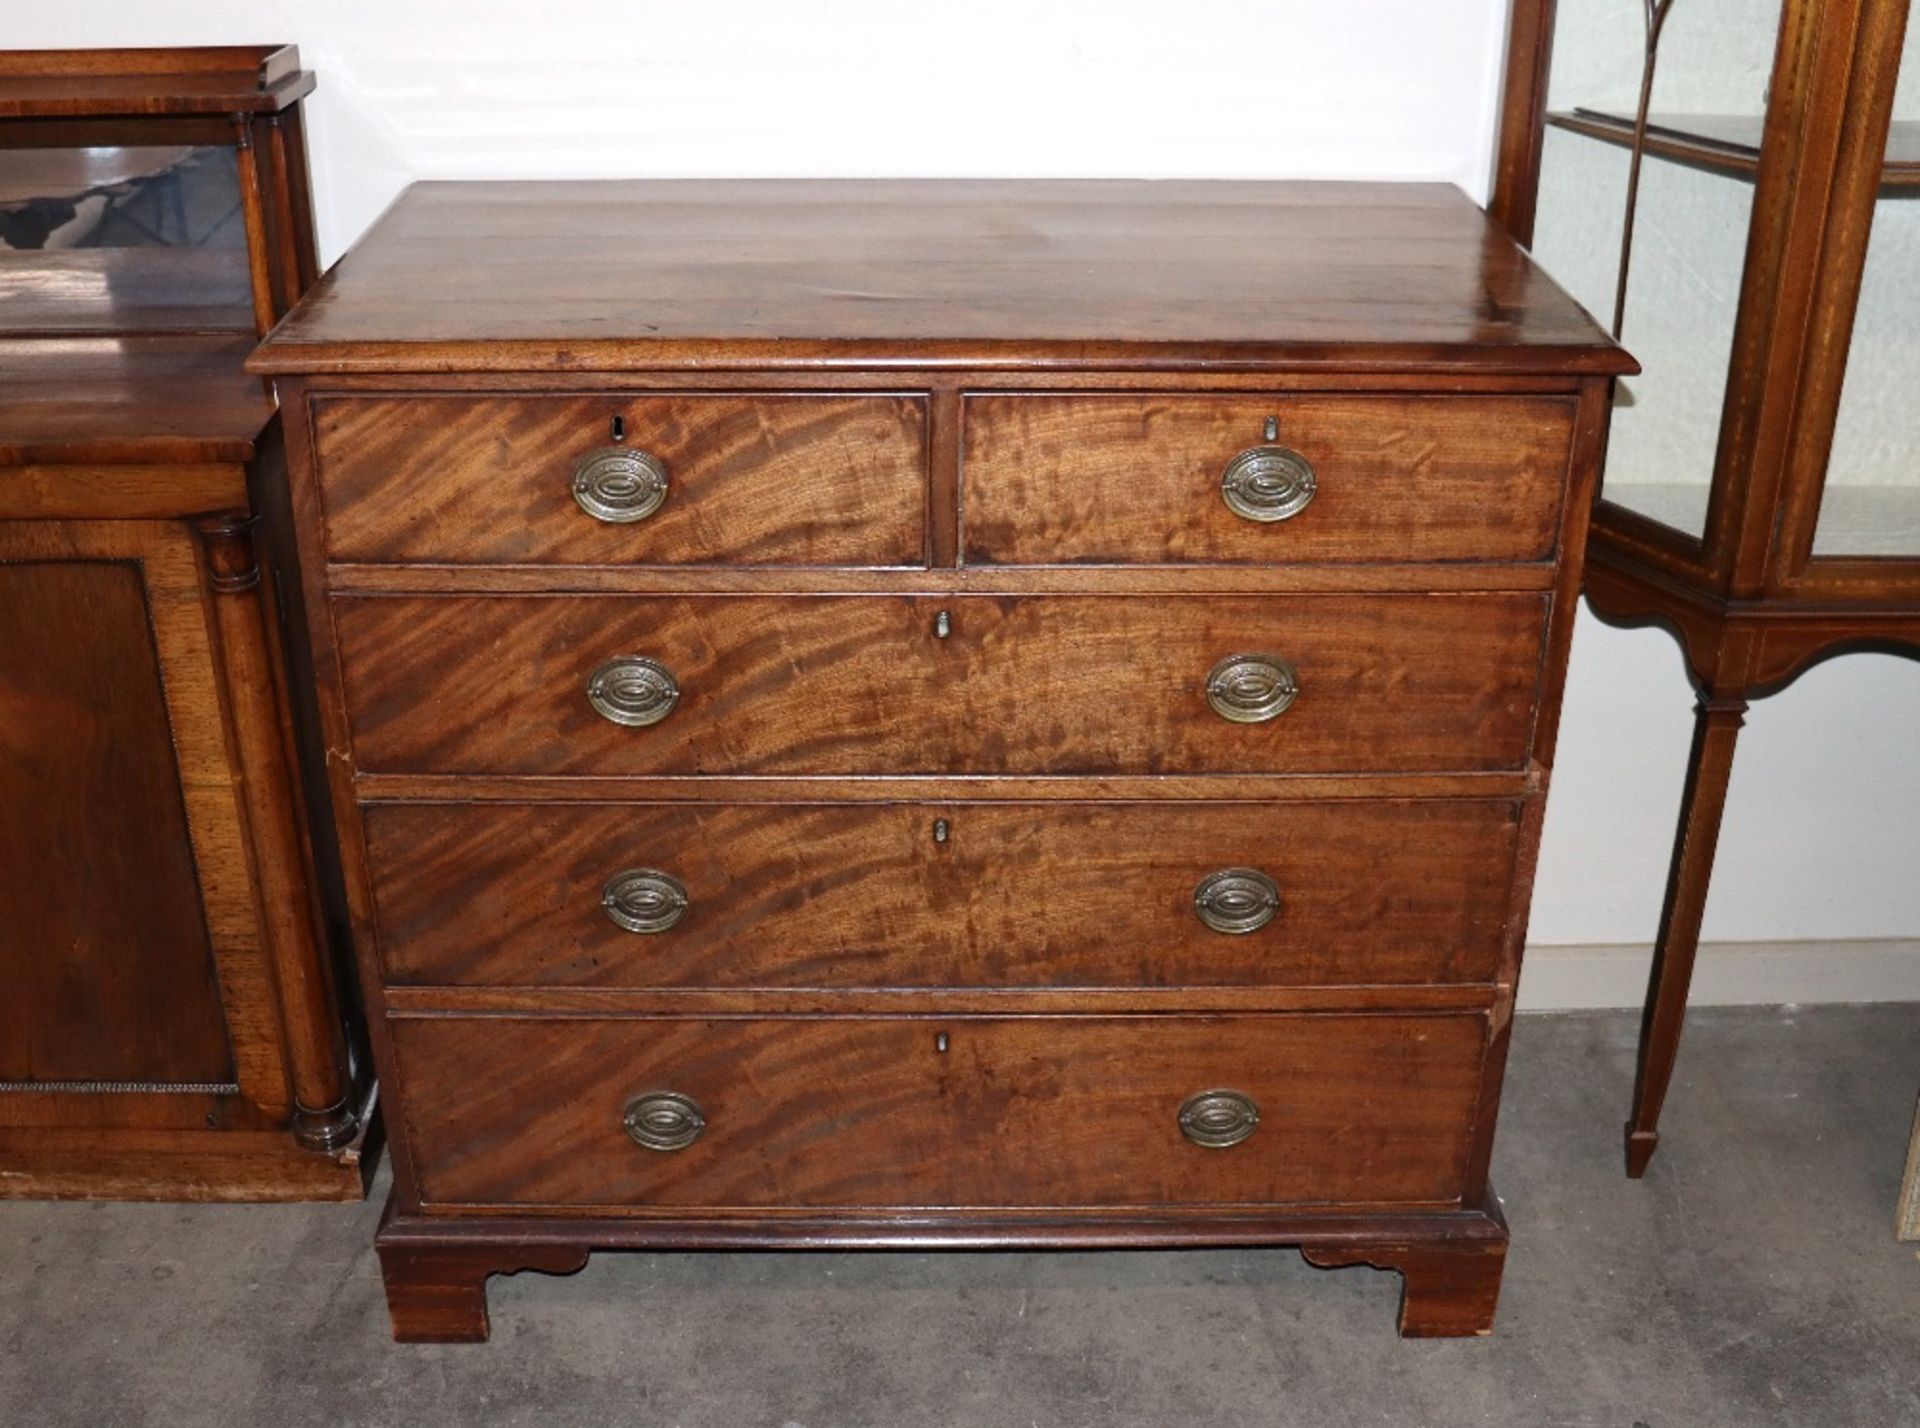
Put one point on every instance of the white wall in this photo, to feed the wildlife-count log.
(624, 88)
(1823, 838)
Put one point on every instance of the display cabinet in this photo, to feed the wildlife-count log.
(173, 1023)
(1732, 181)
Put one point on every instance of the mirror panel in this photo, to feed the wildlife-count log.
(122, 238)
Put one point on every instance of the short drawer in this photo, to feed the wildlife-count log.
(687, 479)
(939, 685)
(613, 1114)
(1193, 480)
(1355, 892)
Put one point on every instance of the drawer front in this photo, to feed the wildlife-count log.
(1139, 480)
(960, 895)
(936, 685)
(1034, 1112)
(746, 479)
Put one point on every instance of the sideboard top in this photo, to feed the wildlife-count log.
(825, 274)
(128, 399)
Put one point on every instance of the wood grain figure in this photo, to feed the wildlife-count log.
(752, 479)
(827, 685)
(952, 894)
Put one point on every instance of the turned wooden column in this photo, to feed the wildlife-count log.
(254, 213)
(324, 1114)
(1716, 726)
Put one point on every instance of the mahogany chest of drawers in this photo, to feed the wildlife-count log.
(939, 714)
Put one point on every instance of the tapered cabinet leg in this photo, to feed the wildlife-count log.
(437, 1294)
(1450, 1291)
(1716, 726)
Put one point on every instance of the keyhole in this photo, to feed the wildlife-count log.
(619, 428)
(940, 830)
(1273, 428)
(942, 625)
(940, 1043)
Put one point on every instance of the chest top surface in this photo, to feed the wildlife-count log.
(559, 276)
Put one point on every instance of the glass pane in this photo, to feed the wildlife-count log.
(121, 238)
(1871, 503)
(1690, 231)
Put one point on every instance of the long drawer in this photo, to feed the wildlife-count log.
(568, 684)
(1195, 479)
(956, 895)
(1046, 1111)
(692, 479)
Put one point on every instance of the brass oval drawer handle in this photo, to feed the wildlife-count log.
(633, 690)
(664, 1120)
(644, 899)
(1237, 900)
(619, 484)
(1252, 688)
(1268, 483)
(1218, 1119)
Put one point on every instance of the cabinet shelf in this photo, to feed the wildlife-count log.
(1730, 143)
(1878, 522)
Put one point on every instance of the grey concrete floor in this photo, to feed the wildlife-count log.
(1751, 1279)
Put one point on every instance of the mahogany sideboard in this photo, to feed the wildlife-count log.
(173, 1023)
(939, 714)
